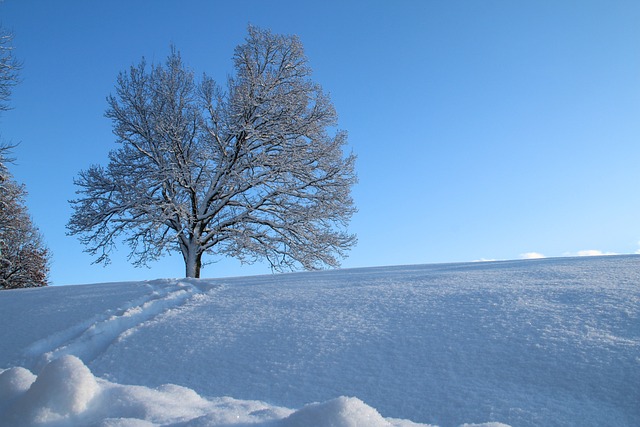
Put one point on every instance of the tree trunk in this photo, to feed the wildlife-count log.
(193, 263)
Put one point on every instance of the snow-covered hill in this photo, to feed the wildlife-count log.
(525, 343)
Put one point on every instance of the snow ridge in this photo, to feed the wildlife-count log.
(89, 339)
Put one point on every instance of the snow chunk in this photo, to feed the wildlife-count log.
(63, 389)
(14, 382)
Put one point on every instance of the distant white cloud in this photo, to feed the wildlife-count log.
(594, 252)
(492, 260)
(588, 252)
(532, 255)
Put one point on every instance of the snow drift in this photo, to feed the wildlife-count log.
(67, 393)
(524, 343)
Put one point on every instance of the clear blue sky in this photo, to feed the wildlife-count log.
(483, 129)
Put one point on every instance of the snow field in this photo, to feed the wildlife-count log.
(526, 343)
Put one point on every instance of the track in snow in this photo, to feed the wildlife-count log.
(89, 339)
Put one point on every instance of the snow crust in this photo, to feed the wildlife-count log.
(522, 343)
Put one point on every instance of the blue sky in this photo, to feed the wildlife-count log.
(483, 129)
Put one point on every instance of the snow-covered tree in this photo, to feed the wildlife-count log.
(24, 259)
(9, 68)
(249, 171)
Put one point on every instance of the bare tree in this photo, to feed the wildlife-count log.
(24, 259)
(249, 172)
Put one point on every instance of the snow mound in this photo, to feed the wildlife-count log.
(485, 425)
(63, 389)
(14, 382)
(66, 393)
(340, 412)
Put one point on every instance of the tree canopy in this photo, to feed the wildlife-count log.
(249, 170)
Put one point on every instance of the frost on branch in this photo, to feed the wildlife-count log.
(247, 171)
